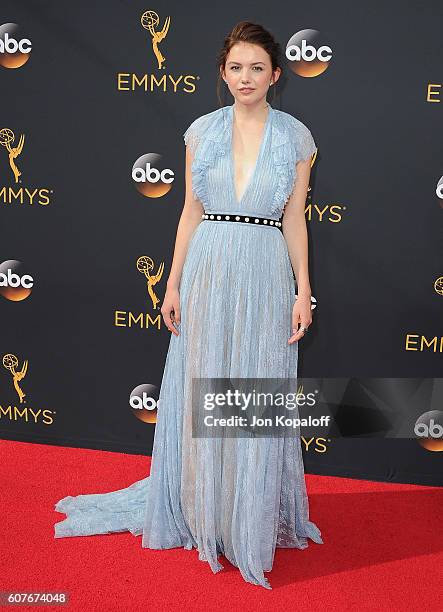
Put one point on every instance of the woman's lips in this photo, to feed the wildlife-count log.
(247, 90)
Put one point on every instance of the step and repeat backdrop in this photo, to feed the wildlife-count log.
(95, 100)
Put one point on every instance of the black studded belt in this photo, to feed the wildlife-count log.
(242, 219)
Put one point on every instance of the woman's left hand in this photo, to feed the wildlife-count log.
(301, 313)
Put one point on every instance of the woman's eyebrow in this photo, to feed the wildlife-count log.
(252, 63)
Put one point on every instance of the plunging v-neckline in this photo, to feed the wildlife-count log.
(259, 154)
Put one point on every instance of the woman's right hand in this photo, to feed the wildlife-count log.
(171, 309)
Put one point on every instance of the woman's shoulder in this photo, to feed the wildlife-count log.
(292, 122)
(201, 125)
(299, 135)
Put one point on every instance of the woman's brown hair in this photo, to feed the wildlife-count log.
(252, 33)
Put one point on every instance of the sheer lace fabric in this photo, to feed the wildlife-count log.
(240, 497)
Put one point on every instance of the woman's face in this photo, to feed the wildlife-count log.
(248, 72)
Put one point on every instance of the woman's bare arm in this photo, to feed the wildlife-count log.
(295, 231)
(189, 219)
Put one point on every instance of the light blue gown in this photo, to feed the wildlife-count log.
(241, 497)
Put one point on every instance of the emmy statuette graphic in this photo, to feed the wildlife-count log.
(145, 265)
(150, 21)
(10, 362)
(6, 137)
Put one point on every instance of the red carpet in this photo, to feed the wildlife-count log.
(382, 551)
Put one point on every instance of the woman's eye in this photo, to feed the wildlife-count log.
(259, 68)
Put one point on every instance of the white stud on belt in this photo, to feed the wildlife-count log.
(245, 220)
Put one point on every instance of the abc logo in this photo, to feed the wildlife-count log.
(10, 45)
(152, 174)
(149, 180)
(144, 403)
(429, 430)
(15, 285)
(10, 279)
(15, 48)
(307, 54)
(439, 189)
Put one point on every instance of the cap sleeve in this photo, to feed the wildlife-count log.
(305, 145)
(193, 134)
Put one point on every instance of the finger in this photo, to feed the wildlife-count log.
(172, 329)
(303, 325)
(296, 321)
(168, 322)
(295, 338)
(177, 316)
(297, 334)
(174, 320)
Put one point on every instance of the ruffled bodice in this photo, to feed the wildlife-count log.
(237, 496)
(286, 140)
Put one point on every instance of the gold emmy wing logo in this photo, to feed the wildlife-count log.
(10, 362)
(6, 138)
(145, 265)
(314, 157)
(438, 285)
(150, 21)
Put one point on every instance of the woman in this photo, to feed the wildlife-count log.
(230, 305)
